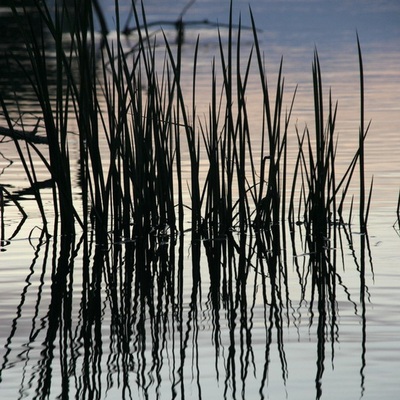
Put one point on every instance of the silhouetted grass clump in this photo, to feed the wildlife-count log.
(134, 124)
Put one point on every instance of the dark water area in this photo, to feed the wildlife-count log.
(252, 314)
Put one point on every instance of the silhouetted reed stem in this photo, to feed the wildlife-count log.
(362, 216)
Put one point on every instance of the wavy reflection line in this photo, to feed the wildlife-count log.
(24, 355)
(58, 318)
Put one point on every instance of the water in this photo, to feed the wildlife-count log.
(103, 336)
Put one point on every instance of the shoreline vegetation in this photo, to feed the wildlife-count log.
(130, 221)
(147, 121)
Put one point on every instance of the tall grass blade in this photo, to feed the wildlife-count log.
(362, 216)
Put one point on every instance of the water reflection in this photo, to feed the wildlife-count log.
(158, 317)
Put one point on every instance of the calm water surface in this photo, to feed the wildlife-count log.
(101, 336)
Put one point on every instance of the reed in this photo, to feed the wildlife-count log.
(55, 109)
(269, 200)
(361, 142)
(130, 142)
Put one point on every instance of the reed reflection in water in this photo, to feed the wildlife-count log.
(158, 318)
